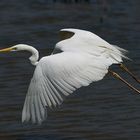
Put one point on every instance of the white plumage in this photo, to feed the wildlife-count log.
(76, 61)
(85, 58)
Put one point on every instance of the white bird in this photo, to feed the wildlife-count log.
(78, 60)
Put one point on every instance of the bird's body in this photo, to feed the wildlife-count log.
(76, 61)
(84, 58)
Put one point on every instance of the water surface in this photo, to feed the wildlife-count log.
(106, 110)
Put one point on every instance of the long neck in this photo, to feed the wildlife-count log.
(35, 55)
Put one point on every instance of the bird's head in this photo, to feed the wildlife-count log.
(19, 47)
(24, 47)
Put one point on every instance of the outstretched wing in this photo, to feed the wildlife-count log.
(84, 58)
(57, 76)
(75, 40)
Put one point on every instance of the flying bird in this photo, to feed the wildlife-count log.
(80, 58)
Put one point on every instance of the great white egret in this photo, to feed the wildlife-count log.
(79, 59)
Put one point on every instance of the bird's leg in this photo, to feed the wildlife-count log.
(120, 78)
(122, 66)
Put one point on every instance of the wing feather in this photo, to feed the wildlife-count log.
(53, 92)
(32, 108)
(90, 43)
(36, 107)
(57, 76)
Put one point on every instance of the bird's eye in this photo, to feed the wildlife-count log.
(15, 49)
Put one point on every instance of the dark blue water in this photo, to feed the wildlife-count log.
(106, 110)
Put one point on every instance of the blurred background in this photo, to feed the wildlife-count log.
(106, 110)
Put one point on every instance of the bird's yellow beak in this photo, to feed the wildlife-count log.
(7, 49)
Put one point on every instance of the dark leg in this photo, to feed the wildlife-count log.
(120, 78)
(122, 66)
